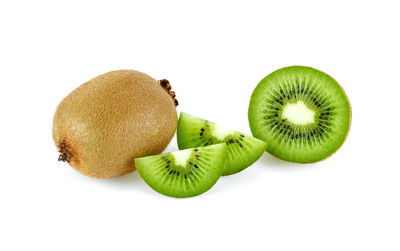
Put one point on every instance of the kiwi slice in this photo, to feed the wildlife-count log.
(242, 150)
(301, 112)
(183, 173)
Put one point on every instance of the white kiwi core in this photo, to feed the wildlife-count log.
(298, 113)
(181, 157)
(221, 132)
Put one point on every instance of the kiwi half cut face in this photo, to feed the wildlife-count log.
(183, 173)
(302, 113)
(242, 150)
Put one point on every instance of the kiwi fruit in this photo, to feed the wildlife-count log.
(302, 113)
(107, 122)
(242, 150)
(183, 173)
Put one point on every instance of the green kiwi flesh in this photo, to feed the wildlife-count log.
(183, 173)
(242, 150)
(302, 113)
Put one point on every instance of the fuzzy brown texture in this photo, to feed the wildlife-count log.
(107, 122)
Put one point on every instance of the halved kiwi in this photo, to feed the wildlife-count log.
(183, 173)
(302, 113)
(242, 151)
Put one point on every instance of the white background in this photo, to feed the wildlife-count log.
(214, 53)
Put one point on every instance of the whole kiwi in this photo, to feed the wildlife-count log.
(107, 122)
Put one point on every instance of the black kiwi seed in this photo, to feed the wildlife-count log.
(201, 134)
(185, 176)
(167, 166)
(177, 174)
(237, 141)
(170, 172)
(196, 150)
(196, 166)
(202, 129)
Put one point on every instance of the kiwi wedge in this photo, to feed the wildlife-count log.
(242, 150)
(183, 173)
(301, 112)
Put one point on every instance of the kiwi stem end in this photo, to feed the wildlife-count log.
(167, 87)
(65, 154)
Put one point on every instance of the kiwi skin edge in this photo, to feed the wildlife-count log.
(348, 130)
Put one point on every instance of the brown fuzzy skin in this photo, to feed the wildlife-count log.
(107, 122)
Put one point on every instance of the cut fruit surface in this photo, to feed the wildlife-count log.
(183, 173)
(301, 112)
(242, 150)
